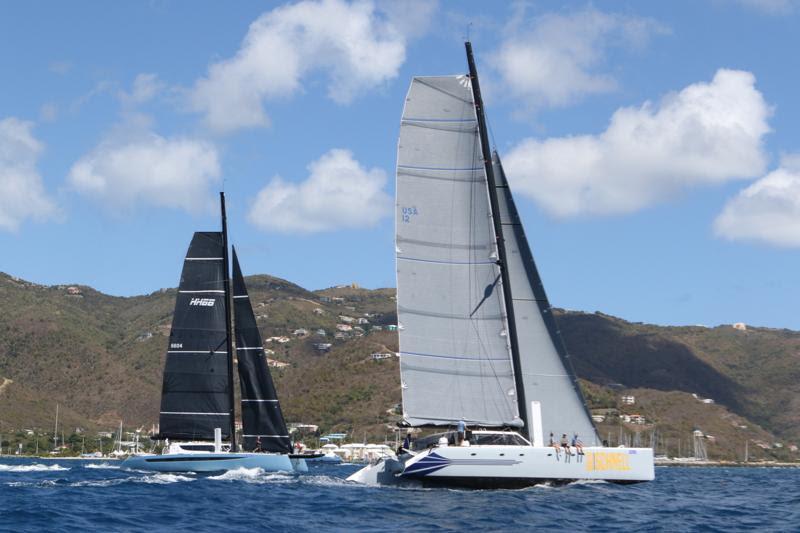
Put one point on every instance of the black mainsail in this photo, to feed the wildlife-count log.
(196, 393)
(262, 419)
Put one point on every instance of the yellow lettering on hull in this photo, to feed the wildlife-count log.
(603, 461)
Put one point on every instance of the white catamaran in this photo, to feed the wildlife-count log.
(197, 400)
(478, 342)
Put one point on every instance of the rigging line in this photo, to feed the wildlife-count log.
(456, 206)
(478, 156)
(491, 134)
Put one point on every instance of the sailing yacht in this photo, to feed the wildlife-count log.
(478, 342)
(197, 418)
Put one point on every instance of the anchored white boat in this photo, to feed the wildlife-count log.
(197, 401)
(478, 341)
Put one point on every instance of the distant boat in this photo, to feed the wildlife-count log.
(478, 342)
(327, 454)
(197, 417)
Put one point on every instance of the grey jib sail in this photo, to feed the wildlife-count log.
(263, 426)
(547, 374)
(455, 359)
(195, 396)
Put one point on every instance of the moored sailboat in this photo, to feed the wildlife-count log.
(197, 416)
(478, 343)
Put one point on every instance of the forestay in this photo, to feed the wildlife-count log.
(547, 374)
(455, 359)
(263, 426)
(195, 396)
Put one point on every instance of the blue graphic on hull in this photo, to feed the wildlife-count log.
(431, 463)
(434, 462)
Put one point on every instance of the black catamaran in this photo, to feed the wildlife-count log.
(197, 399)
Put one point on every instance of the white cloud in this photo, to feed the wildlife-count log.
(354, 44)
(556, 59)
(59, 67)
(100, 88)
(145, 87)
(22, 194)
(770, 7)
(412, 18)
(767, 211)
(145, 168)
(338, 193)
(48, 112)
(707, 133)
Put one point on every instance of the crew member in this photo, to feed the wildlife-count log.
(578, 444)
(462, 431)
(554, 444)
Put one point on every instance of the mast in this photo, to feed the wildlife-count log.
(228, 322)
(55, 431)
(498, 230)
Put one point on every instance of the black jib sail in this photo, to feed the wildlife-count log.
(196, 396)
(263, 426)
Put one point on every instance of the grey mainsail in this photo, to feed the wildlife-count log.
(458, 351)
(547, 374)
(455, 358)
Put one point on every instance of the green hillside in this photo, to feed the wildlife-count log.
(100, 358)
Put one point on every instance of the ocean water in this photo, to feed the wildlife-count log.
(48, 495)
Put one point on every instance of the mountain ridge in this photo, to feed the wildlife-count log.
(101, 357)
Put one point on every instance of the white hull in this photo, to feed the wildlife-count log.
(512, 466)
(214, 462)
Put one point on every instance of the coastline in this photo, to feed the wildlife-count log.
(58, 458)
(735, 464)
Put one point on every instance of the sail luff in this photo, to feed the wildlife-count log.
(228, 320)
(498, 229)
(262, 418)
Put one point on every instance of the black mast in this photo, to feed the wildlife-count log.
(228, 322)
(498, 230)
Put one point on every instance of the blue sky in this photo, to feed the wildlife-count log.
(651, 146)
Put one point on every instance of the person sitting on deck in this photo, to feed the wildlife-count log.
(565, 445)
(554, 444)
(258, 445)
(578, 444)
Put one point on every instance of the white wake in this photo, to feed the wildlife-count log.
(32, 468)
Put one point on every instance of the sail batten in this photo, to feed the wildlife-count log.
(262, 418)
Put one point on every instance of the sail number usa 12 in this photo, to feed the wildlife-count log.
(409, 212)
